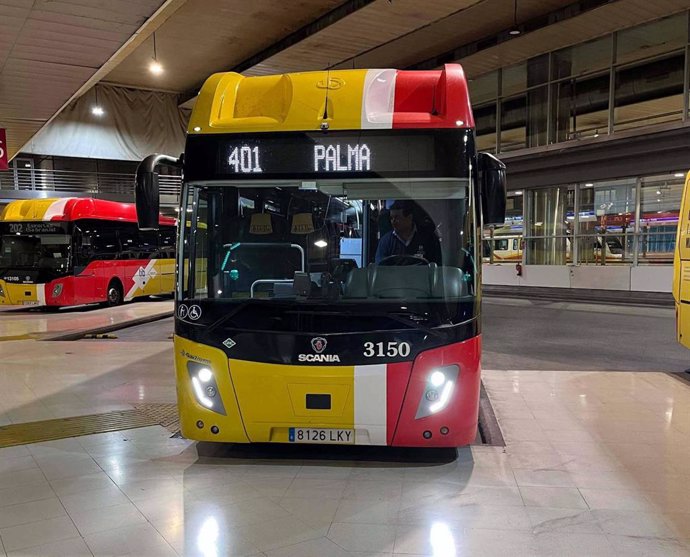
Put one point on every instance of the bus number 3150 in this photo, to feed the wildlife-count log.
(383, 349)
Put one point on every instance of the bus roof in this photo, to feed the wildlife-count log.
(344, 99)
(72, 208)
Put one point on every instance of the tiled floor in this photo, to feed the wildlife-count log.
(585, 485)
(596, 463)
(18, 323)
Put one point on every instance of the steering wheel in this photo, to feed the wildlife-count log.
(403, 260)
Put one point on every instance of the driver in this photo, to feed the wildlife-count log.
(406, 238)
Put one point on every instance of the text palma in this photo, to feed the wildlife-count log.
(342, 158)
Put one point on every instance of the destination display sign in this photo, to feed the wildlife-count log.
(327, 154)
(332, 155)
(32, 228)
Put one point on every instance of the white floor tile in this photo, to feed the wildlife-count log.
(637, 546)
(133, 540)
(96, 499)
(549, 519)
(107, 518)
(38, 533)
(33, 511)
(559, 497)
(363, 537)
(26, 493)
(75, 547)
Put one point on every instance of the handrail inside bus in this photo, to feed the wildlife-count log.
(236, 245)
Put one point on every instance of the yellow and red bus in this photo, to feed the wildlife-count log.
(73, 251)
(681, 269)
(329, 258)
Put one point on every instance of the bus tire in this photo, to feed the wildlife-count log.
(114, 295)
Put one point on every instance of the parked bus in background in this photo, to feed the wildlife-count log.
(681, 269)
(73, 251)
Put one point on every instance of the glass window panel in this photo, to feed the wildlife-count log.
(584, 58)
(484, 88)
(504, 244)
(580, 107)
(514, 80)
(659, 208)
(548, 228)
(607, 214)
(537, 116)
(513, 124)
(485, 127)
(650, 93)
(652, 39)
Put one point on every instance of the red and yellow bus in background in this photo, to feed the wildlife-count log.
(299, 317)
(73, 251)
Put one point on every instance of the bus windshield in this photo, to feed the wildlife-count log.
(363, 247)
(49, 252)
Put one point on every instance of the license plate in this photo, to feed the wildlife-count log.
(29, 303)
(315, 435)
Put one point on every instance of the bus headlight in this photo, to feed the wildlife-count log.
(57, 290)
(205, 387)
(440, 384)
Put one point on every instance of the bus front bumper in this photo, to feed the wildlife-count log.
(429, 402)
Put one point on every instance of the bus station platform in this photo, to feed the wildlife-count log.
(18, 322)
(594, 460)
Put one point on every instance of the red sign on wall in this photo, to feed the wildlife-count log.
(3, 150)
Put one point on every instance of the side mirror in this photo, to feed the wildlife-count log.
(146, 191)
(492, 173)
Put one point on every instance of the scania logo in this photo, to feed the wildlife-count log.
(318, 344)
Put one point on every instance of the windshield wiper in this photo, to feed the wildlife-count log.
(414, 320)
(240, 306)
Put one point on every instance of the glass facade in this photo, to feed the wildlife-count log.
(630, 221)
(622, 81)
(630, 79)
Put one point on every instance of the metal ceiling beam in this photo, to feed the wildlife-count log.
(568, 12)
(315, 26)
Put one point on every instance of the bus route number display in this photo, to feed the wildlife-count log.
(351, 154)
(325, 158)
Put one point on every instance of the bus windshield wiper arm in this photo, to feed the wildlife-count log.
(413, 319)
(229, 315)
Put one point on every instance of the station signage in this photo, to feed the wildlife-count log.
(4, 165)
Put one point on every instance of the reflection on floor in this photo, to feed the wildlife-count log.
(596, 464)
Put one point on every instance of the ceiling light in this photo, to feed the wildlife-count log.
(589, 185)
(320, 243)
(679, 174)
(514, 31)
(155, 68)
(97, 109)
